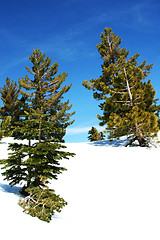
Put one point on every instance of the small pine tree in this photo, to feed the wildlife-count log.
(9, 97)
(128, 102)
(94, 135)
(45, 120)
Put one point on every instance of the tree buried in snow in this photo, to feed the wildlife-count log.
(45, 120)
(127, 101)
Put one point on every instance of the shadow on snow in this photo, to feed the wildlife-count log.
(114, 143)
(7, 188)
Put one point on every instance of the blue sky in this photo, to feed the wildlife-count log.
(68, 32)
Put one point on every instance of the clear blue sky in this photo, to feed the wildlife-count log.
(68, 32)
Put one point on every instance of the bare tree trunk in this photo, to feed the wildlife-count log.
(139, 136)
(128, 88)
(40, 126)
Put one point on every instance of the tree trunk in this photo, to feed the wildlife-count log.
(142, 142)
(128, 88)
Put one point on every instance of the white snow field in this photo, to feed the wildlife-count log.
(113, 193)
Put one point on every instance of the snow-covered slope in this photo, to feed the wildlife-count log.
(112, 192)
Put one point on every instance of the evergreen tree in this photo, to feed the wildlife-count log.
(46, 94)
(9, 97)
(46, 119)
(13, 103)
(94, 135)
(127, 101)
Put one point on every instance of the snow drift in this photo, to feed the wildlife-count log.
(113, 193)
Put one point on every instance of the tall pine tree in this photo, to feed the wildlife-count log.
(127, 101)
(46, 119)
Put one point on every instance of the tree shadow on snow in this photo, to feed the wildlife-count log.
(114, 143)
(7, 188)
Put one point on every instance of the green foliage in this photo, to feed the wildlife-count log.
(94, 135)
(132, 120)
(9, 96)
(35, 163)
(15, 172)
(127, 101)
(13, 103)
(42, 203)
(42, 124)
(47, 93)
(4, 127)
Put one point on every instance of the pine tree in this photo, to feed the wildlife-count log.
(13, 103)
(46, 119)
(127, 101)
(94, 135)
(9, 97)
(46, 86)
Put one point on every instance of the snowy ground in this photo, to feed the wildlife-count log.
(113, 193)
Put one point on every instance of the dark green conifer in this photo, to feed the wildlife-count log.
(34, 164)
(13, 103)
(9, 97)
(94, 135)
(127, 101)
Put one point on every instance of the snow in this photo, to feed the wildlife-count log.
(113, 193)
